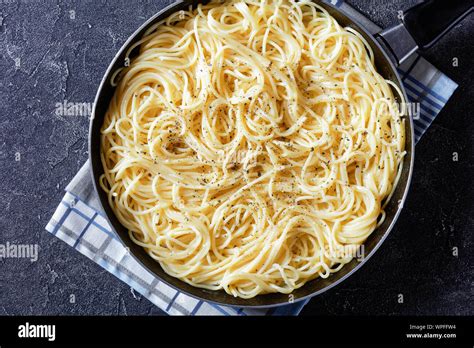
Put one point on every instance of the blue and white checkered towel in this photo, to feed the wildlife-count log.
(79, 220)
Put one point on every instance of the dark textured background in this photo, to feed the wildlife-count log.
(64, 59)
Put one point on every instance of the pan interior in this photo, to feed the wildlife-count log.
(316, 286)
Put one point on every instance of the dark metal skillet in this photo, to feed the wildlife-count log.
(390, 48)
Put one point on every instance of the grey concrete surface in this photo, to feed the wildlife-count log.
(52, 51)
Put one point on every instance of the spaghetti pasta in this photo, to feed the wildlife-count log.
(250, 146)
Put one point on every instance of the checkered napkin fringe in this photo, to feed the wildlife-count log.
(79, 220)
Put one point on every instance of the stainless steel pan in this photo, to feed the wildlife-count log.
(423, 25)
